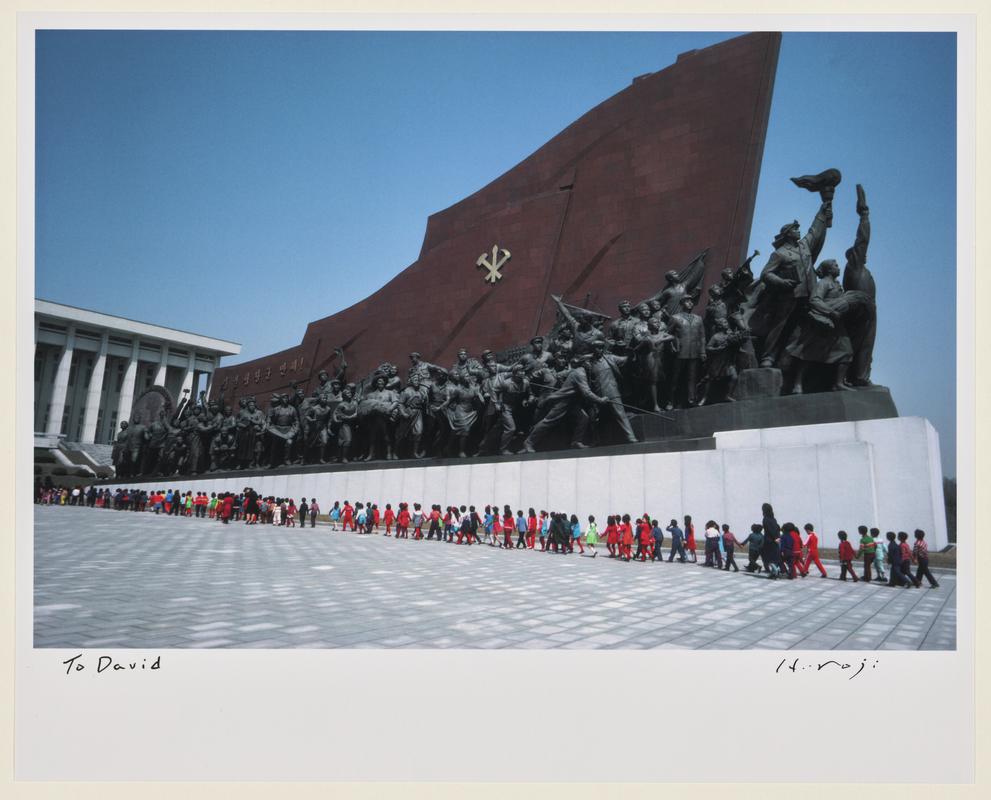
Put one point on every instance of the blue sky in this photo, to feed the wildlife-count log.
(243, 184)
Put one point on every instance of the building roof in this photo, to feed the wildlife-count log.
(131, 327)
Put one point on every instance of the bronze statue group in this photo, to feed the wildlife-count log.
(577, 386)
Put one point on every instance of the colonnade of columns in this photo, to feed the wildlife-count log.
(94, 391)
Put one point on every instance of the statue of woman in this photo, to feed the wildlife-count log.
(461, 410)
(650, 348)
(823, 337)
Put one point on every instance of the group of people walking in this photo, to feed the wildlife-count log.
(779, 551)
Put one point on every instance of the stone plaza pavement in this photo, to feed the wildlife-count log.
(114, 579)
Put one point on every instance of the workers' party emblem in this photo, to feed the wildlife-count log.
(499, 257)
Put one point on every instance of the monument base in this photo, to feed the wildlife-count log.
(873, 402)
(882, 473)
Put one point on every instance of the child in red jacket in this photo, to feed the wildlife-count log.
(402, 521)
(812, 543)
(389, 517)
(646, 542)
(690, 538)
(906, 565)
(626, 538)
(612, 537)
(508, 526)
(846, 557)
(798, 565)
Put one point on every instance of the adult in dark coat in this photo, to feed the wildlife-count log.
(771, 552)
(560, 532)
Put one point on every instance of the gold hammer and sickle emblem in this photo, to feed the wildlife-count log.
(499, 257)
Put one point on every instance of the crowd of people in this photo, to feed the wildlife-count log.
(779, 551)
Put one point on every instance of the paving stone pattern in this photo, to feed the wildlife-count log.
(114, 579)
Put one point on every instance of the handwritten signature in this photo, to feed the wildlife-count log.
(829, 666)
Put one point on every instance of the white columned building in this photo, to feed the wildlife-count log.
(89, 368)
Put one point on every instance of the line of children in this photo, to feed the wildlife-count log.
(797, 555)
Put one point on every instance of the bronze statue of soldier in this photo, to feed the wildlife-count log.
(191, 424)
(119, 453)
(302, 448)
(583, 330)
(605, 371)
(782, 291)
(621, 330)
(507, 392)
(489, 413)
(282, 429)
(155, 437)
(537, 351)
(858, 278)
(325, 380)
(316, 433)
(174, 453)
(250, 434)
(468, 368)
(566, 404)
(438, 432)
(421, 368)
(223, 445)
(721, 357)
(135, 446)
(686, 282)
(715, 309)
(689, 333)
(734, 284)
(211, 420)
(345, 416)
(542, 380)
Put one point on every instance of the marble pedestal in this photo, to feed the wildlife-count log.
(883, 473)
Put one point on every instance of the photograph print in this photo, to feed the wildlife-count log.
(494, 340)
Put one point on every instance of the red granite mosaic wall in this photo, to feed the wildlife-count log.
(635, 187)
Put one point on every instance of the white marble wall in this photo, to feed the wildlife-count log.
(883, 473)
